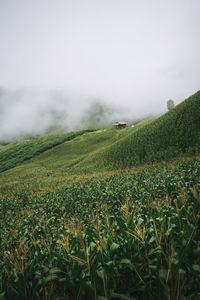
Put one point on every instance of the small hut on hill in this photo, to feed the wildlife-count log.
(120, 125)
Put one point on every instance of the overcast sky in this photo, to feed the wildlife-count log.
(135, 53)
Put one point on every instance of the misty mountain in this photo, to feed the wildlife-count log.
(34, 112)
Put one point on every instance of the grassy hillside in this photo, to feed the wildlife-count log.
(51, 167)
(67, 232)
(131, 236)
(14, 155)
(174, 134)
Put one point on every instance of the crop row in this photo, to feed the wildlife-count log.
(125, 236)
(18, 153)
(173, 134)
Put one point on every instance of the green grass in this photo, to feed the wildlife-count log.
(175, 134)
(16, 154)
(76, 222)
(54, 165)
(5, 147)
(133, 235)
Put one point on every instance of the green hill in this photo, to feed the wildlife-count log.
(67, 232)
(51, 167)
(14, 155)
(175, 134)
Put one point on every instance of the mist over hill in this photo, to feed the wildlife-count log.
(25, 113)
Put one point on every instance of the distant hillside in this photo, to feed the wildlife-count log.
(16, 154)
(174, 134)
(53, 165)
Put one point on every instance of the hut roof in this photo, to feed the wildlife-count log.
(122, 123)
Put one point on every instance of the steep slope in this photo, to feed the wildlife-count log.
(56, 164)
(14, 155)
(177, 133)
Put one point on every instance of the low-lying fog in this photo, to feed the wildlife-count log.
(81, 63)
(30, 112)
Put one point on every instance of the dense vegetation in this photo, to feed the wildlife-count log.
(175, 134)
(69, 229)
(125, 236)
(51, 167)
(18, 153)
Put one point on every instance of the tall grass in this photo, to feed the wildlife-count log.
(125, 236)
(18, 153)
(130, 235)
(175, 134)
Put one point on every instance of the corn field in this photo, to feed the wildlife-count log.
(129, 235)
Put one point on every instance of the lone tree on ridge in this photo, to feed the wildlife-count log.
(170, 104)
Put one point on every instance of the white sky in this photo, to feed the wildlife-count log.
(138, 53)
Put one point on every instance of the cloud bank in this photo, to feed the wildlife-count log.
(59, 55)
(26, 113)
